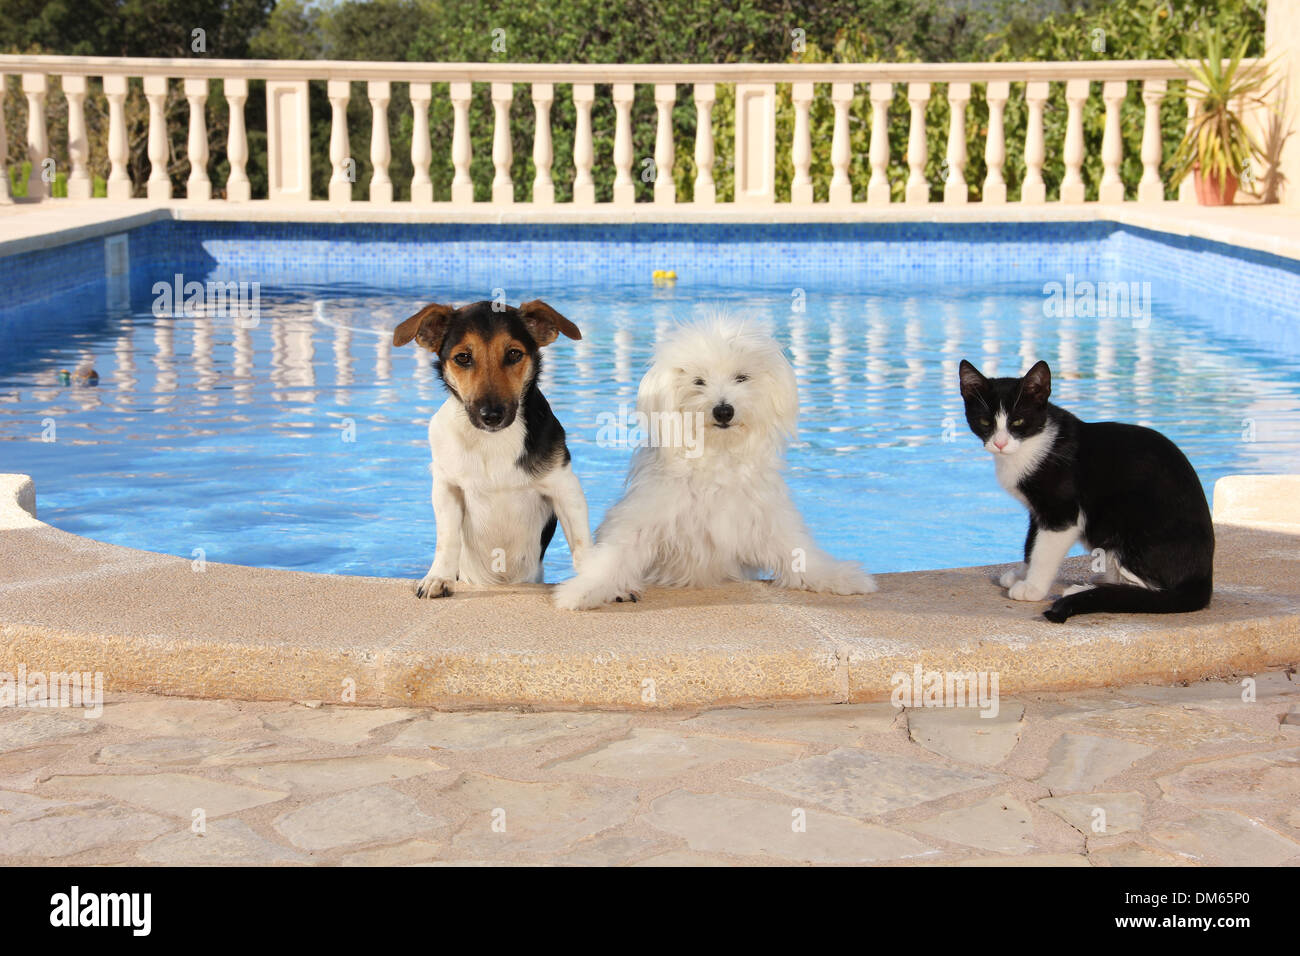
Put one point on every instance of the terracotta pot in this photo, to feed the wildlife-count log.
(1210, 193)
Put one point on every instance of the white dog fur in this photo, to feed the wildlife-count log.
(719, 511)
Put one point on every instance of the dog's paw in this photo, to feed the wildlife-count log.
(432, 586)
(1024, 591)
(576, 595)
(627, 597)
(845, 578)
(1011, 577)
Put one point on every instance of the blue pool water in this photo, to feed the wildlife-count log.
(300, 443)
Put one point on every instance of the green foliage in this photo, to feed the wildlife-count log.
(1217, 142)
(596, 31)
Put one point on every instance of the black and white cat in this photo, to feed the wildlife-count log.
(1124, 489)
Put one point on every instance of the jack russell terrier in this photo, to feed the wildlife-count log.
(501, 473)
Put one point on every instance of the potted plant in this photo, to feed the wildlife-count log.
(1218, 146)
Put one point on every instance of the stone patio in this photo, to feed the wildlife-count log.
(1143, 775)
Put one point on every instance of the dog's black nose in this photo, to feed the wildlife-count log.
(723, 413)
(492, 415)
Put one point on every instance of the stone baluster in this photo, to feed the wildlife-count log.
(918, 189)
(841, 191)
(160, 183)
(1072, 186)
(503, 151)
(801, 188)
(1152, 188)
(665, 151)
(543, 152)
(624, 187)
(706, 192)
(954, 186)
(119, 181)
(882, 94)
(1112, 144)
(198, 186)
(1033, 189)
(995, 146)
(79, 184)
(462, 187)
(238, 188)
(584, 188)
(381, 151)
(421, 149)
(343, 172)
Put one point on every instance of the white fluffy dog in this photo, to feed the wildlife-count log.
(701, 513)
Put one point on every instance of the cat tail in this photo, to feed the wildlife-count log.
(1191, 595)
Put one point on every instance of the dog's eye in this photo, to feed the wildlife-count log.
(1017, 423)
(462, 359)
(513, 356)
(742, 377)
(699, 382)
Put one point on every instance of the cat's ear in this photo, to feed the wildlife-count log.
(972, 382)
(1037, 383)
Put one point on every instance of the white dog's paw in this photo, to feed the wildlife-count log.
(843, 578)
(1012, 576)
(433, 586)
(578, 595)
(1024, 591)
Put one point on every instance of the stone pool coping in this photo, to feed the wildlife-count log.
(26, 226)
(157, 623)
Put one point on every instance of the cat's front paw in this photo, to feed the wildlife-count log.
(1012, 576)
(1025, 591)
(433, 586)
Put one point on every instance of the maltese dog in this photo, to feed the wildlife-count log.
(705, 501)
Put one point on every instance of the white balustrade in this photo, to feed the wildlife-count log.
(841, 192)
(918, 189)
(238, 188)
(801, 187)
(706, 192)
(954, 186)
(543, 154)
(421, 149)
(995, 146)
(288, 164)
(665, 187)
(160, 181)
(35, 85)
(1151, 189)
(79, 185)
(381, 152)
(198, 186)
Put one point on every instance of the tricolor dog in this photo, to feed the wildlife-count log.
(501, 472)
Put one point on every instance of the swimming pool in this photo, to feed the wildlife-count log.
(298, 440)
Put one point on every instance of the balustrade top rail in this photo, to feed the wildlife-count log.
(1098, 70)
(289, 146)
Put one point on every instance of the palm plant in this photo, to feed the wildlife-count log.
(1218, 145)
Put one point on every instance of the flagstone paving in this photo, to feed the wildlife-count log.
(1205, 774)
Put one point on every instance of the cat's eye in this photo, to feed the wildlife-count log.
(1017, 423)
(462, 359)
(985, 422)
(742, 377)
(699, 382)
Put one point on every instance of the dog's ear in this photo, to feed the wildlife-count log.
(427, 327)
(544, 324)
